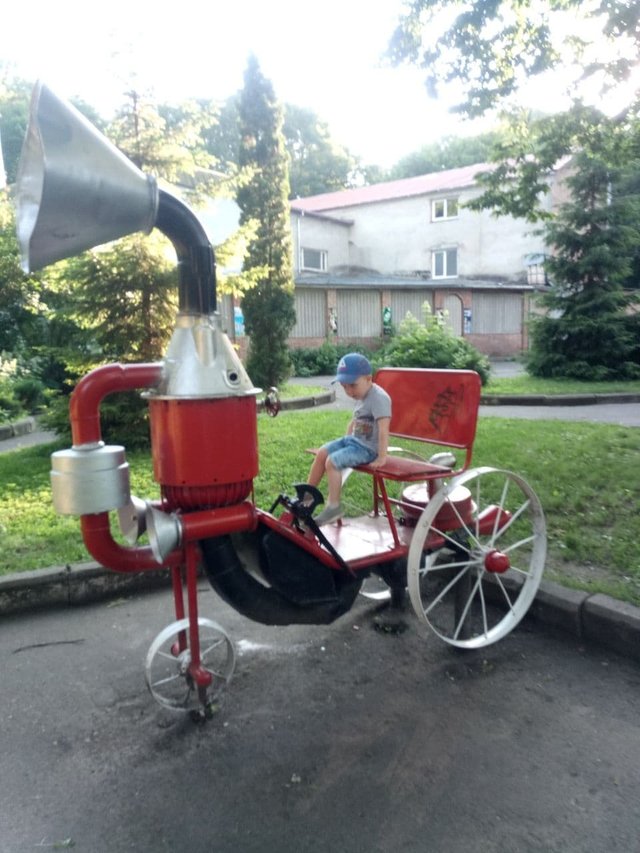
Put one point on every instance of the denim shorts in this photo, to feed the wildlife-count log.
(348, 452)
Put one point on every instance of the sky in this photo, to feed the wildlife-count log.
(324, 56)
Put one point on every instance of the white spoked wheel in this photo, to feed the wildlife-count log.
(477, 556)
(168, 665)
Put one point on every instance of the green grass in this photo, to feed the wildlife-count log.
(586, 476)
(526, 384)
(292, 390)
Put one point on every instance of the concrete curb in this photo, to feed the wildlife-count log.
(598, 618)
(305, 402)
(17, 428)
(556, 399)
(71, 585)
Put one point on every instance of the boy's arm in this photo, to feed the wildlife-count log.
(383, 442)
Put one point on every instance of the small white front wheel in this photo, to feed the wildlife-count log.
(168, 669)
(477, 556)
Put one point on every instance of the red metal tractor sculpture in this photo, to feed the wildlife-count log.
(468, 544)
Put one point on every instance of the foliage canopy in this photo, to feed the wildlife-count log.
(490, 48)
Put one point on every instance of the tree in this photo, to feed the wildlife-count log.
(269, 307)
(222, 138)
(490, 48)
(317, 163)
(594, 238)
(448, 153)
(15, 97)
(16, 301)
(14, 113)
(127, 293)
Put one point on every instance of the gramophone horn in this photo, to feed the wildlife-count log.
(164, 531)
(75, 190)
(132, 519)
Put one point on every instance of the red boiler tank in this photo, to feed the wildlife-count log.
(205, 451)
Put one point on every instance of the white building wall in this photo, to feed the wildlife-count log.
(311, 232)
(399, 236)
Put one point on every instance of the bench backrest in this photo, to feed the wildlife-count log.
(438, 406)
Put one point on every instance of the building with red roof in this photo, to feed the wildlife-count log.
(366, 256)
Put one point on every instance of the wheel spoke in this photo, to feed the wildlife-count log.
(168, 676)
(449, 586)
(446, 583)
(519, 544)
(465, 526)
(483, 607)
(440, 567)
(466, 608)
(504, 592)
(501, 506)
(444, 535)
(168, 680)
(213, 646)
(511, 521)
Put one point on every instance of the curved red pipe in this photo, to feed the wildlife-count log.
(84, 413)
(96, 533)
(84, 406)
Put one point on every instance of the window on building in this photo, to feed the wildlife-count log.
(536, 273)
(444, 263)
(444, 208)
(313, 259)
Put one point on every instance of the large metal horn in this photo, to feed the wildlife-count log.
(75, 190)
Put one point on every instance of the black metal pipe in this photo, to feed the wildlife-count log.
(263, 604)
(196, 260)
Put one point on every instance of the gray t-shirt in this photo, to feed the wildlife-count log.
(377, 404)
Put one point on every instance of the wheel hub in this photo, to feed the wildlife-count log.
(496, 562)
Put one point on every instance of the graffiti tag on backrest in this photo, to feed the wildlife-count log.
(445, 407)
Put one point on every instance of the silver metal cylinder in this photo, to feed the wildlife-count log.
(89, 481)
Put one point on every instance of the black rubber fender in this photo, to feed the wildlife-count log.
(260, 603)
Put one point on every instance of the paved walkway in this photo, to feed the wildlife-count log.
(615, 412)
(330, 739)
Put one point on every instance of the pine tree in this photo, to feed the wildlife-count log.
(595, 239)
(269, 312)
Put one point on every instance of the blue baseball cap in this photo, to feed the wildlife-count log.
(351, 367)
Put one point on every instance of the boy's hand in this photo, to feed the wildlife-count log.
(378, 462)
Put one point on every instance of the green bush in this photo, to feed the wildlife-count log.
(124, 419)
(10, 407)
(587, 348)
(432, 344)
(30, 393)
(322, 360)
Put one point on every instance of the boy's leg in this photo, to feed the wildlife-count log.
(317, 469)
(334, 480)
(333, 508)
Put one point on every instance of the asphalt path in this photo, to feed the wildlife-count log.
(336, 738)
(622, 414)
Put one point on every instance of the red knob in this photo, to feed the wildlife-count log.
(497, 562)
